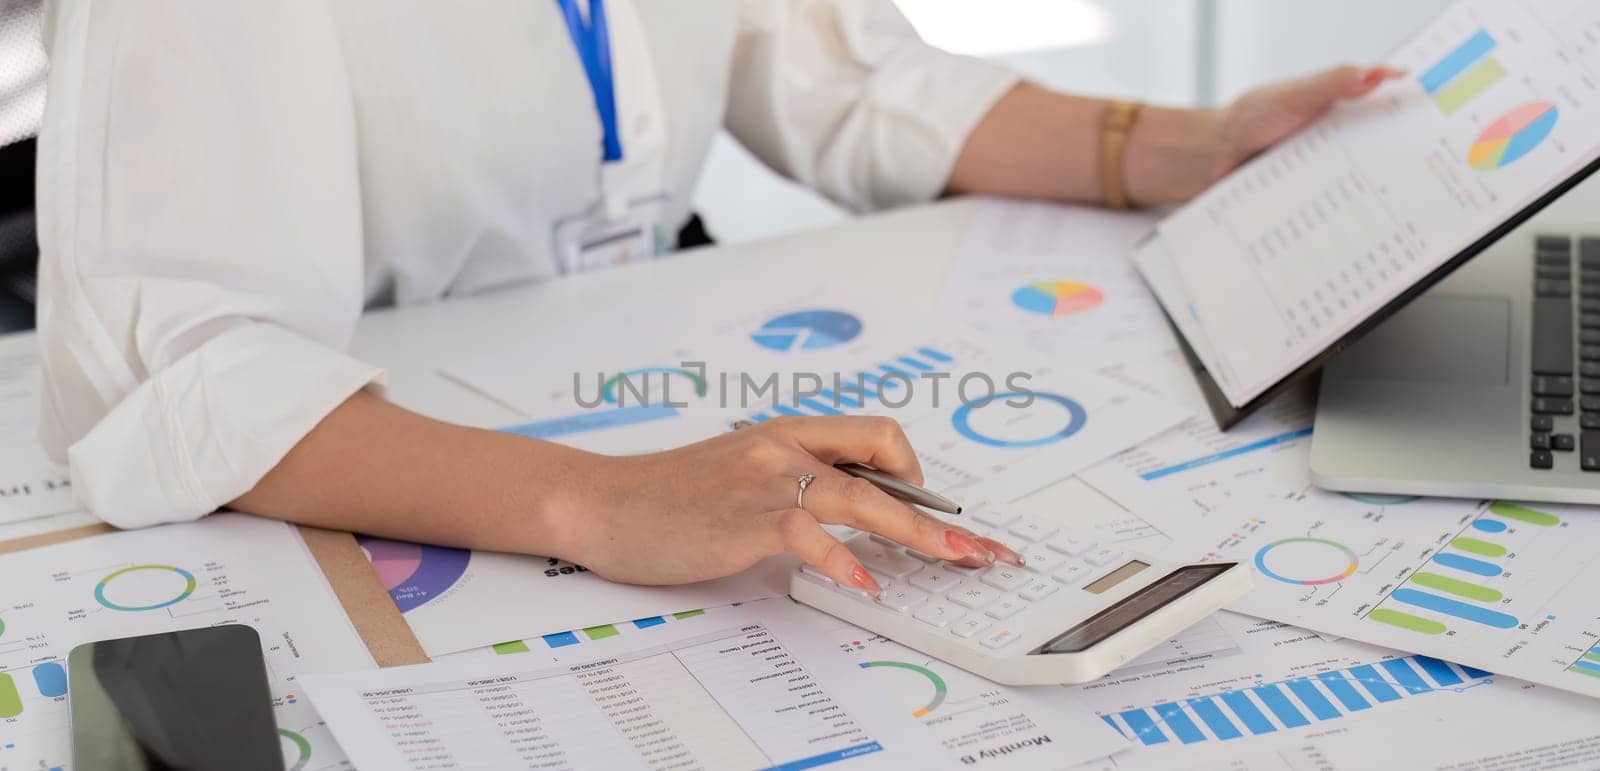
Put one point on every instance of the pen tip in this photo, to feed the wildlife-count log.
(958, 509)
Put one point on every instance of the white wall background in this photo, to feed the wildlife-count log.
(1169, 51)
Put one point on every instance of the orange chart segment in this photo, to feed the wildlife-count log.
(1513, 135)
(1057, 298)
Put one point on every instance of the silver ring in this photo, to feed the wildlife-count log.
(805, 481)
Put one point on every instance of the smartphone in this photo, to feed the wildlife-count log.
(196, 699)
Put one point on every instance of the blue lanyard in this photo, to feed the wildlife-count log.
(593, 41)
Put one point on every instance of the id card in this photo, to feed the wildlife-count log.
(594, 241)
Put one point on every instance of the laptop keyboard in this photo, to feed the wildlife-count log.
(1566, 351)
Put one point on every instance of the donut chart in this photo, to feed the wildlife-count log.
(640, 378)
(1057, 298)
(299, 745)
(414, 573)
(966, 415)
(153, 594)
(1513, 135)
(1306, 561)
(940, 690)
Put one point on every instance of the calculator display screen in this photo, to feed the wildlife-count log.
(1133, 607)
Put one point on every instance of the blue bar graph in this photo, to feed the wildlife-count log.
(1342, 690)
(760, 417)
(1143, 727)
(1465, 611)
(1242, 706)
(936, 355)
(645, 623)
(916, 364)
(1272, 696)
(593, 420)
(893, 370)
(1475, 674)
(1375, 683)
(1439, 671)
(1587, 666)
(1320, 707)
(1467, 564)
(1179, 723)
(818, 407)
(1406, 676)
(787, 410)
(1457, 61)
(560, 639)
(1489, 525)
(1214, 719)
(1207, 460)
(847, 399)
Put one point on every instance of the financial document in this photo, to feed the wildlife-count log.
(1292, 251)
(227, 568)
(1500, 586)
(30, 485)
(456, 600)
(751, 687)
(1056, 279)
(973, 722)
(1175, 480)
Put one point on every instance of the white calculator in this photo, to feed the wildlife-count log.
(1078, 610)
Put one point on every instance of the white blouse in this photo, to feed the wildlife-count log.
(224, 185)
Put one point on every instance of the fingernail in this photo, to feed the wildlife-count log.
(864, 581)
(968, 546)
(1005, 553)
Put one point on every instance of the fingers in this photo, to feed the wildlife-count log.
(840, 499)
(875, 441)
(802, 535)
(1350, 82)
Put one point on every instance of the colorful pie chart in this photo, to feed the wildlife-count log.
(1512, 136)
(414, 573)
(1057, 298)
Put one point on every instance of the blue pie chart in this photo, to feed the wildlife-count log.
(807, 331)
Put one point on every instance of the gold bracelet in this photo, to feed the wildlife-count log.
(1114, 130)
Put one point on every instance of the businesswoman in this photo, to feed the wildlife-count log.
(224, 186)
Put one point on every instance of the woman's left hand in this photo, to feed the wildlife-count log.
(1270, 114)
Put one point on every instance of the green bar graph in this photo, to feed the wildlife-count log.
(601, 632)
(1523, 514)
(1582, 671)
(1457, 587)
(1406, 621)
(1470, 84)
(1482, 548)
(10, 700)
(515, 646)
(1592, 656)
(688, 614)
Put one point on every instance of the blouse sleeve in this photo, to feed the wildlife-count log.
(200, 235)
(843, 96)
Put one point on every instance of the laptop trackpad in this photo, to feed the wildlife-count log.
(1437, 339)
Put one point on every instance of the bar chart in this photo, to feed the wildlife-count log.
(1293, 703)
(1461, 75)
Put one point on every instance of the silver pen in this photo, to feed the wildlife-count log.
(891, 484)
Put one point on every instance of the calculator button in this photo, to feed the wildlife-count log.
(1038, 590)
(879, 558)
(902, 598)
(1042, 560)
(1005, 577)
(1071, 573)
(1070, 546)
(969, 626)
(924, 557)
(1033, 529)
(973, 596)
(994, 517)
(936, 580)
(938, 613)
(1005, 608)
(999, 638)
(1102, 556)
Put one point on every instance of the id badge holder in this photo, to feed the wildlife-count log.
(594, 241)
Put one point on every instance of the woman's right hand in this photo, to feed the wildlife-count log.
(718, 506)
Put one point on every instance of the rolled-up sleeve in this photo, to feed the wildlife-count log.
(200, 230)
(844, 96)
